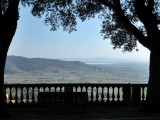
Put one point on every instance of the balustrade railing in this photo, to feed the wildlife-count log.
(127, 94)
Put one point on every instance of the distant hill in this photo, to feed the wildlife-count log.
(103, 60)
(40, 70)
(18, 64)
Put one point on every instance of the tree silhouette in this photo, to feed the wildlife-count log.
(8, 25)
(123, 21)
(126, 22)
(9, 15)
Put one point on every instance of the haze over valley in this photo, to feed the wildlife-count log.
(40, 70)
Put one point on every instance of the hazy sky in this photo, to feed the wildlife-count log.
(34, 39)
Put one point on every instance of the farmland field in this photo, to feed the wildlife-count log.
(78, 72)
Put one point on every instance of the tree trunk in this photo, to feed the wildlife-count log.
(2, 90)
(4, 46)
(8, 26)
(5, 40)
(153, 92)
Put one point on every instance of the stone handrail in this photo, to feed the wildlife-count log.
(127, 94)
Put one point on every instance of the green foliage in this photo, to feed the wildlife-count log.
(113, 14)
(123, 24)
(113, 29)
(120, 37)
(63, 12)
(123, 21)
(57, 13)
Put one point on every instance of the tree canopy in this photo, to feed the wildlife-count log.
(123, 21)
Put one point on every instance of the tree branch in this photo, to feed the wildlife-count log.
(150, 5)
(145, 15)
(105, 3)
(10, 19)
(13, 8)
(141, 11)
(129, 26)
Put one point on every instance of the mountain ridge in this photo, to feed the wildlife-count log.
(19, 64)
(41, 70)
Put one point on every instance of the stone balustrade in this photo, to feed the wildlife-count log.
(114, 94)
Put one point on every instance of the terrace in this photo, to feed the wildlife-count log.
(105, 101)
(111, 94)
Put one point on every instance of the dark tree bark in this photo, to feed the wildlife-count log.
(153, 92)
(8, 25)
(151, 41)
(147, 17)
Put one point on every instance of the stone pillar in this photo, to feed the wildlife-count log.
(127, 95)
(68, 88)
(136, 95)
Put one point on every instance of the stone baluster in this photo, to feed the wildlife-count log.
(87, 92)
(85, 88)
(145, 92)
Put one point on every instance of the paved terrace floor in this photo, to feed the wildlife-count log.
(91, 112)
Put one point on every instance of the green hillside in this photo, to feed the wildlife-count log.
(18, 64)
(40, 70)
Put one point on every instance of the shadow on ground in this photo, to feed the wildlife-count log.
(67, 112)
